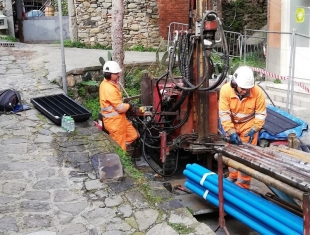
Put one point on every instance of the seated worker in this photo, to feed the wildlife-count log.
(242, 111)
(113, 109)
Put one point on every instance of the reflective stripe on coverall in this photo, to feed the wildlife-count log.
(114, 111)
(241, 116)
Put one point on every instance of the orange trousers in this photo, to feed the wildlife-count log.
(242, 180)
(121, 130)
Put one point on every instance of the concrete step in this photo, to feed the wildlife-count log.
(278, 93)
(282, 106)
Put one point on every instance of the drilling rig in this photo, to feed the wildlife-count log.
(181, 118)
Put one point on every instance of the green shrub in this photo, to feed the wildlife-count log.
(82, 92)
(93, 106)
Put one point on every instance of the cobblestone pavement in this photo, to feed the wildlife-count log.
(48, 185)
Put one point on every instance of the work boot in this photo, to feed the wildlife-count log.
(132, 152)
(231, 180)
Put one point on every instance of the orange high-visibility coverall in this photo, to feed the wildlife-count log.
(114, 111)
(241, 116)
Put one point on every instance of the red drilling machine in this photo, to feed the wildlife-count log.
(179, 113)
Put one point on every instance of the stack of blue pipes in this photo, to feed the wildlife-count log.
(259, 214)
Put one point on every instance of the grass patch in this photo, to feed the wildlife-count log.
(8, 38)
(141, 48)
(79, 44)
(181, 228)
(138, 177)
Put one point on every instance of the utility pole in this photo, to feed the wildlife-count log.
(63, 63)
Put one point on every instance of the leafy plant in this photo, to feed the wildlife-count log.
(160, 66)
(81, 91)
(93, 106)
(77, 44)
(89, 83)
(277, 81)
(109, 55)
(70, 93)
(252, 60)
(137, 48)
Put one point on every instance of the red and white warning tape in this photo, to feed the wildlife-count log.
(263, 71)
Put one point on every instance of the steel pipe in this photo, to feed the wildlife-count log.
(298, 179)
(271, 157)
(295, 193)
(297, 154)
(285, 157)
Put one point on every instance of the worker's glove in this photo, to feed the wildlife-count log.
(250, 134)
(132, 108)
(235, 139)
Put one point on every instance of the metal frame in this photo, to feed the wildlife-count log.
(305, 200)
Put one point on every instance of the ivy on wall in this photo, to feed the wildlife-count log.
(241, 14)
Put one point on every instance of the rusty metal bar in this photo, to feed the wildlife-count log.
(306, 212)
(282, 204)
(163, 146)
(221, 195)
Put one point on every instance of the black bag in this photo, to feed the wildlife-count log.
(8, 100)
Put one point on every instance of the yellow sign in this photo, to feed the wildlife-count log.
(300, 15)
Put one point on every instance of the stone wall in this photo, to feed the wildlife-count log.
(146, 21)
(140, 22)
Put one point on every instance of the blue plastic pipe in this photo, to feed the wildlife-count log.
(283, 216)
(230, 209)
(242, 206)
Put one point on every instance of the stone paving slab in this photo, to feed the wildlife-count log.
(48, 185)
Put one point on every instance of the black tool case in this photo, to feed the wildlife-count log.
(55, 106)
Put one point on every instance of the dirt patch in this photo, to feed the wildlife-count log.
(21, 54)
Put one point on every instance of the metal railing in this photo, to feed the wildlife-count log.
(173, 26)
(235, 40)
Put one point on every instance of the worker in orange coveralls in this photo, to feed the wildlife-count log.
(113, 109)
(242, 111)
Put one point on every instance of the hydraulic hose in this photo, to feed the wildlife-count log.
(153, 168)
(225, 57)
(266, 94)
(226, 54)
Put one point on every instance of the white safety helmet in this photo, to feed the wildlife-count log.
(111, 67)
(244, 77)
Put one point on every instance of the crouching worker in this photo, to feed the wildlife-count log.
(113, 109)
(242, 111)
